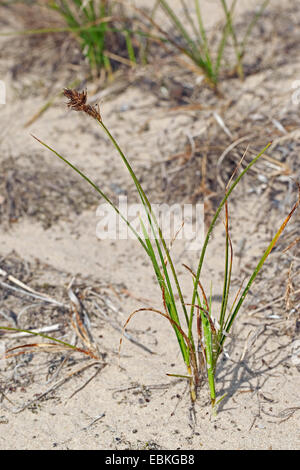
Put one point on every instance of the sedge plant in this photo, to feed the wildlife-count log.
(190, 37)
(92, 20)
(93, 24)
(200, 338)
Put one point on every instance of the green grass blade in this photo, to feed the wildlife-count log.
(150, 213)
(227, 277)
(152, 256)
(257, 269)
(204, 37)
(168, 296)
(90, 182)
(157, 235)
(173, 311)
(215, 218)
(71, 346)
(67, 29)
(228, 29)
(208, 344)
(130, 48)
(178, 24)
(252, 24)
(231, 30)
(192, 23)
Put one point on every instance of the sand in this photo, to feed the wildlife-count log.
(48, 238)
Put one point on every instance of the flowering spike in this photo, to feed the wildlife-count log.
(77, 102)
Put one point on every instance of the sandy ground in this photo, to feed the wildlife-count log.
(48, 237)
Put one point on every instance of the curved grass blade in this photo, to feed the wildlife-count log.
(38, 334)
(102, 194)
(215, 218)
(194, 378)
(151, 215)
(258, 268)
(55, 342)
(227, 274)
(167, 293)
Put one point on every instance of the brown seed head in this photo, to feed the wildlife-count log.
(77, 102)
